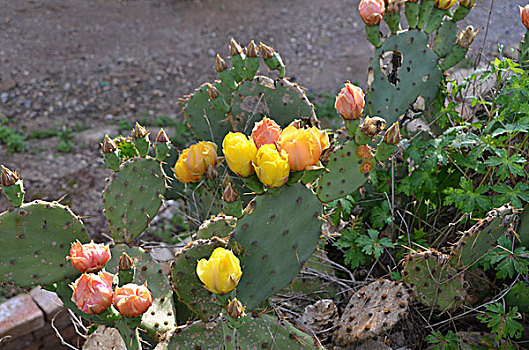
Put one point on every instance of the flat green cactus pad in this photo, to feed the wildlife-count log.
(186, 283)
(523, 229)
(279, 100)
(519, 296)
(434, 281)
(219, 226)
(344, 174)
(415, 74)
(206, 122)
(283, 227)
(132, 198)
(482, 237)
(160, 317)
(263, 332)
(35, 240)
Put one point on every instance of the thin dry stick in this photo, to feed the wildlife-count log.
(58, 334)
(485, 37)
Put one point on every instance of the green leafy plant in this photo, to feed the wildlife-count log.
(440, 341)
(503, 323)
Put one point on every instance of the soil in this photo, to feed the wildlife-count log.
(93, 63)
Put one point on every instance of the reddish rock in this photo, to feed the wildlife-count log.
(19, 316)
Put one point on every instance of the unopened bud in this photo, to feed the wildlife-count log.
(108, 146)
(125, 262)
(162, 136)
(251, 50)
(235, 309)
(466, 37)
(7, 177)
(467, 3)
(235, 48)
(524, 13)
(213, 93)
(373, 126)
(394, 6)
(220, 64)
(139, 132)
(392, 135)
(266, 51)
(444, 4)
(230, 194)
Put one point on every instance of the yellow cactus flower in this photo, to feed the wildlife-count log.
(195, 161)
(221, 273)
(444, 4)
(272, 166)
(304, 146)
(240, 153)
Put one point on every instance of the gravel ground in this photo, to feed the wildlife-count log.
(95, 62)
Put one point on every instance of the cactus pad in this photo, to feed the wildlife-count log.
(519, 296)
(371, 311)
(263, 332)
(160, 317)
(523, 229)
(132, 198)
(434, 281)
(219, 226)
(284, 227)
(414, 73)
(482, 237)
(186, 283)
(281, 100)
(35, 240)
(344, 174)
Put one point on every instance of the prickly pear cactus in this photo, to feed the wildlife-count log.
(259, 332)
(413, 72)
(405, 68)
(160, 317)
(186, 284)
(282, 227)
(523, 228)
(519, 296)
(220, 226)
(346, 171)
(371, 311)
(482, 237)
(434, 281)
(35, 240)
(240, 98)
(133, 197)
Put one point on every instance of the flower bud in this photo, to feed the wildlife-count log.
(394, 6)
(221, 272)
(230, 194)
(220, 64)
(303, 146)
(350, 102)
(213, 93)
(139, 132)
(132, 300)
(444, 4)
(235, 48)
(93, 293)
(271, 166)
(235, 309)
(89, 257)
(466, 37)
(195, 160)
(108, 146)
(266, 51)
(239, 152)
(266, 131)
(467, 3)
(125, 262)
(392, 135)
(162, 136)
(371, 11)
(373, 126)
(212, 172)
(252, 50)
(524, 13)
(7, 177)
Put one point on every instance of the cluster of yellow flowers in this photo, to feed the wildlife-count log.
(270, 153)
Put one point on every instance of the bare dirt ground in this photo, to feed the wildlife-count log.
(95, 62)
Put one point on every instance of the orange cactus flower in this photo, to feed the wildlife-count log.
(266, 131)
(89, 257)
(93, 293)
(132, 300)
